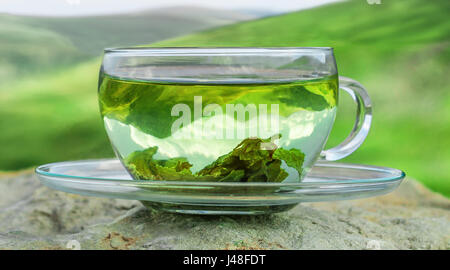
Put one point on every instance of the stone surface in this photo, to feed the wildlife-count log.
(35, 217)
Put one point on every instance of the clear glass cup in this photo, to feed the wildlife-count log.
(225, 114)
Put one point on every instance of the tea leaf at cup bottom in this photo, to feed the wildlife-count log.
(247, 162)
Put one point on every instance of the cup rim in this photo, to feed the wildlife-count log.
(216, 50)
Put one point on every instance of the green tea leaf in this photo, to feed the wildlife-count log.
(294, 158)
(142, 165)
(147, 106)
(248, 162)
(258, 164)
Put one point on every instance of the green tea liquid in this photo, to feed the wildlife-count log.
(186, 127)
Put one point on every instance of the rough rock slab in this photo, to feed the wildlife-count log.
(35, 217)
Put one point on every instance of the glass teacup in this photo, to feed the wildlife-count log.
(225, 114)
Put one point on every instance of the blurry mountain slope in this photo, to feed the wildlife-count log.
(38, 44)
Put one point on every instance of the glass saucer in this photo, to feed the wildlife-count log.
(327, 181)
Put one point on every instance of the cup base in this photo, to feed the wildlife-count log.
(195, 209)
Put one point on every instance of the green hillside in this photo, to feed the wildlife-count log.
(26, 49)
(36, 45)
(399, 50)
(93, 33)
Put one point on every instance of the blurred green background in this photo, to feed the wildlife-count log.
(399, 50)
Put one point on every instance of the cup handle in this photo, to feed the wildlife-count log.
(362, 123)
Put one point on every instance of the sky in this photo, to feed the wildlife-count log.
(91, 7)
